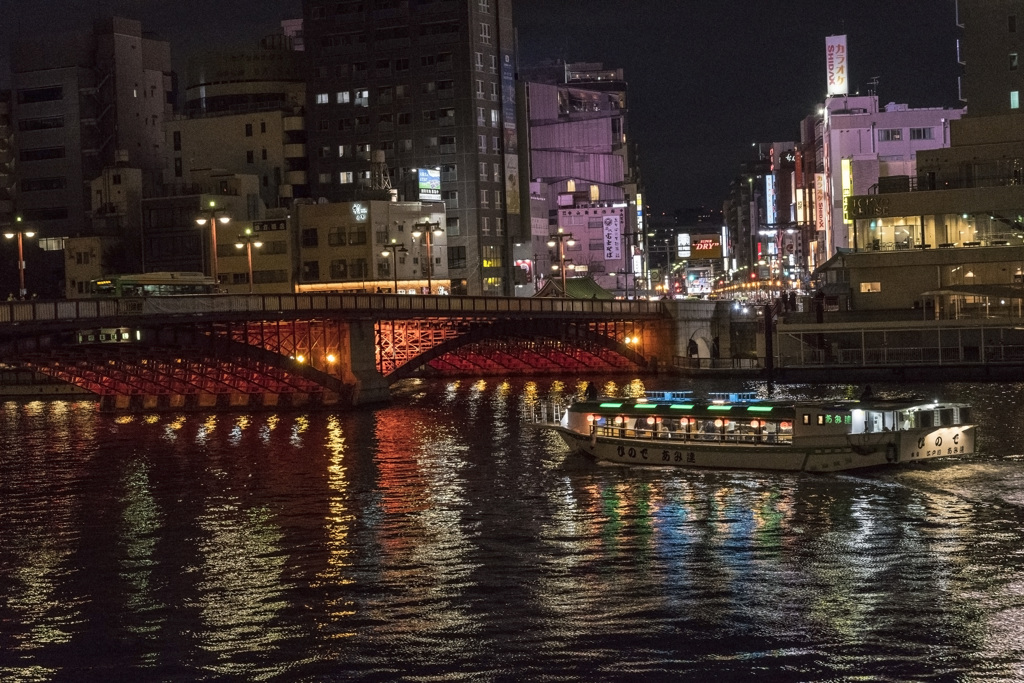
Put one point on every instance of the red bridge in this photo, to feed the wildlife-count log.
(316, 349)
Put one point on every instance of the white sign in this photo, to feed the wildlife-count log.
(836, 66)
(360, 212)
(612, 238)
(683, 245)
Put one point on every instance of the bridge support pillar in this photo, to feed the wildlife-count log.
(359, 365)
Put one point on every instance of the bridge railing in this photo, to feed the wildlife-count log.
(374, 304)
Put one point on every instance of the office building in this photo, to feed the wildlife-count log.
(432, 86)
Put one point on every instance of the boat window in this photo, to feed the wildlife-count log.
(807, 419)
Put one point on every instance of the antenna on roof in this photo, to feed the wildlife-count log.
(873, 86)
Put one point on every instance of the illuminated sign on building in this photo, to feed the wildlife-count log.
(819, 202)
(683, 245)
(429, 184)
(846, 170)
(360, 212)
(771, 214)
(706, 246)
(612, 238)
(836, 66)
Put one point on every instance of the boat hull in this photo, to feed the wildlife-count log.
(900, 447)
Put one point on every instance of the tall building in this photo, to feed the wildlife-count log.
(951, 233)
(991, 50)
(432, 85)
(85, 101)
(244, 113)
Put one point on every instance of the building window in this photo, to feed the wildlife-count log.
(177, 140)
(362, 98)
(456, 258)
(485, 6)
(452, 227)
(310, 238)
(345, 178)
(321, 98)
(263, 154)
(402, 64)
(263, 126)
(1015, 99)
(484, 198)
(483, 143)
(248, 130)
(921, 134)
(1011, 23)
(479, 61)
(357, 235)
(483, 170)
(450, 198)
(324, 178)
(310, 271)
(485, 34)
(495, 118)
(870, 287)
(343, 97)
(339, 269)
(890, 134)
(249, 157)
(405, 145)
(177, 167)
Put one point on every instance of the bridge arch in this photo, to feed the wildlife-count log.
(569, 334)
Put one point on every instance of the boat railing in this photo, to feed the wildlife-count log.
(548, 412)
(669, 395)
(683, 436)
(733, 396)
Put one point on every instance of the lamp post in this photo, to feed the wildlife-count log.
(425, 229)
(560, 239)
(393, 250)
(248, 240)
(11, 234)
(213, 215)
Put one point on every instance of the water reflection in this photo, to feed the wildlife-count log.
(440, 536)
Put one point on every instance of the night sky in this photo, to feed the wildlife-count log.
(706, 79)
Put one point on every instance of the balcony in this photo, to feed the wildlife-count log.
(295, 151)
(295, 178)
(293, 123)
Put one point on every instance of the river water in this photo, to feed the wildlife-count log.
(438, 538)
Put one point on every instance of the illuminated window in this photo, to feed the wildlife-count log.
(485, 34)
(345, 177)
(343, 97)
(321, 98)
(890, 134)
(1015, 99)
(870, 287)
(492, 257)
(1013, 61)
(362, 98)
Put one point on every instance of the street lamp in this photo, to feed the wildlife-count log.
(561, 239)
(248, 240)
(10, 234)
(425, 229)
(395, 250)
(213, 215)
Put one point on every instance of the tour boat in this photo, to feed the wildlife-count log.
(737, 431)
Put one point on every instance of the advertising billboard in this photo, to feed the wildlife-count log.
(836, 66)
(429, 184)
(612, 238)
(706, 246)
(683, 245)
